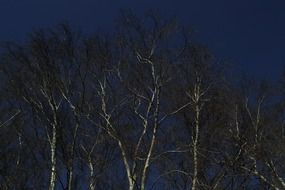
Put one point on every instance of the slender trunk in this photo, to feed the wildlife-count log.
(70, 164)
(53, 159)
(195, 148)
(70, 179)
(146, 166)
(131, 179)
(153, 139)
(53, 147)
(91, 173)
(70, 170)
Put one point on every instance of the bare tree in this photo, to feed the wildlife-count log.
(143, 108)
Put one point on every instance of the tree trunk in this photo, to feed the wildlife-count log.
(195, 148)
(53, 159)
(70, 179)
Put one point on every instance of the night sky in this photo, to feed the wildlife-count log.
(250, 34)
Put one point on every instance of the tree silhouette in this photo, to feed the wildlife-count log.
(143, 108)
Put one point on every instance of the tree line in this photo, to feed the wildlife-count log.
(144, 108)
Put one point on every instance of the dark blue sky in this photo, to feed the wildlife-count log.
(248, 33)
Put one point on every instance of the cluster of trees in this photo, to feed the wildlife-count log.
(145, 108)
